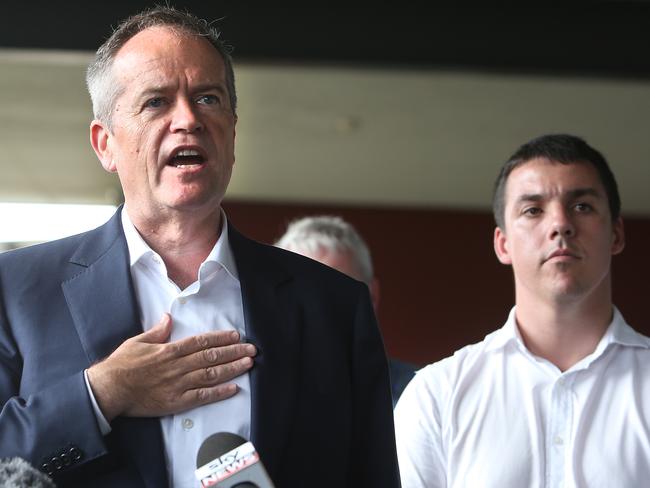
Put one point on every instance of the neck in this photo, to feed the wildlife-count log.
(183, 240)
(563, 333)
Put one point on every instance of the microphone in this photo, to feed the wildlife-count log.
(226, 460)
(18, 473)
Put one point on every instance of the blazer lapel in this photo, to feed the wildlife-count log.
(273, 325)
(100, 297)
(103, 307)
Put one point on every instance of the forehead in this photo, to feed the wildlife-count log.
(341, 260)
(165, 52)
(547, 178)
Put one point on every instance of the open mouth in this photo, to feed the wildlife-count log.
(186, 158)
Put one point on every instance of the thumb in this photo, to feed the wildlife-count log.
(160, 332)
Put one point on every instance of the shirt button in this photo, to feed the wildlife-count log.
(558, 441)
(156, 259)
(182, 300)
(561, 381)
(187, 424)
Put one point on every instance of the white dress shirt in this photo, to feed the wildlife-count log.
(213, 302)
(495, 415)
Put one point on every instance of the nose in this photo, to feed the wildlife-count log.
(561, 224)
(185, 117)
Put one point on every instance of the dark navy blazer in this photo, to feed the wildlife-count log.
(321, 401)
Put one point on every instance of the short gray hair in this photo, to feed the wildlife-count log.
(99, 77)
(325, 233)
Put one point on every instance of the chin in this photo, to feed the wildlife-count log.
(193, 203)
(569, 292)
(194, 198)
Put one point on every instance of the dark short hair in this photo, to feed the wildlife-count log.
(103, 89)
(559, 148)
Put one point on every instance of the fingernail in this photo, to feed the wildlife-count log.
(234, 335)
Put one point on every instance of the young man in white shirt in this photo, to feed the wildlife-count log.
(560, 395)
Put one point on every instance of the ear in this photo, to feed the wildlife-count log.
(618, 236)
(100, 141)
(501, 246)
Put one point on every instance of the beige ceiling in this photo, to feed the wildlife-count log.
(335, 134)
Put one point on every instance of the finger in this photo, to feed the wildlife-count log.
(215, 375)
(204, 396)
(218, 355)
(191, 345)
(159, 333)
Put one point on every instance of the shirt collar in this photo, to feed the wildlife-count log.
(220, 254)
(618, 332)
(506, 334)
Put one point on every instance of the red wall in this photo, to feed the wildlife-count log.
(441, 284)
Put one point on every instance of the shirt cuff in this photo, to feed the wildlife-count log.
(104, 426)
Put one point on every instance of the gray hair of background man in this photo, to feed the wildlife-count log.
(311, 235)
(103, 88)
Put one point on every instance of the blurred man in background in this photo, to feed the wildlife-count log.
(334, 242)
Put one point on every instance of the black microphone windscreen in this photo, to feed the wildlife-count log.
(18, 473)
(226, 460)
(216, 446)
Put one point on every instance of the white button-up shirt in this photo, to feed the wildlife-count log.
(213, 302)
(495, 415)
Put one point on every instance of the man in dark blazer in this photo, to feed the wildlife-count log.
(86, 381)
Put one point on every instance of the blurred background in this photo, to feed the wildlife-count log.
(396, 118)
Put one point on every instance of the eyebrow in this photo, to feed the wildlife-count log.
(220, 87)
(157, 90)
(571, 194)
(584, 192)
